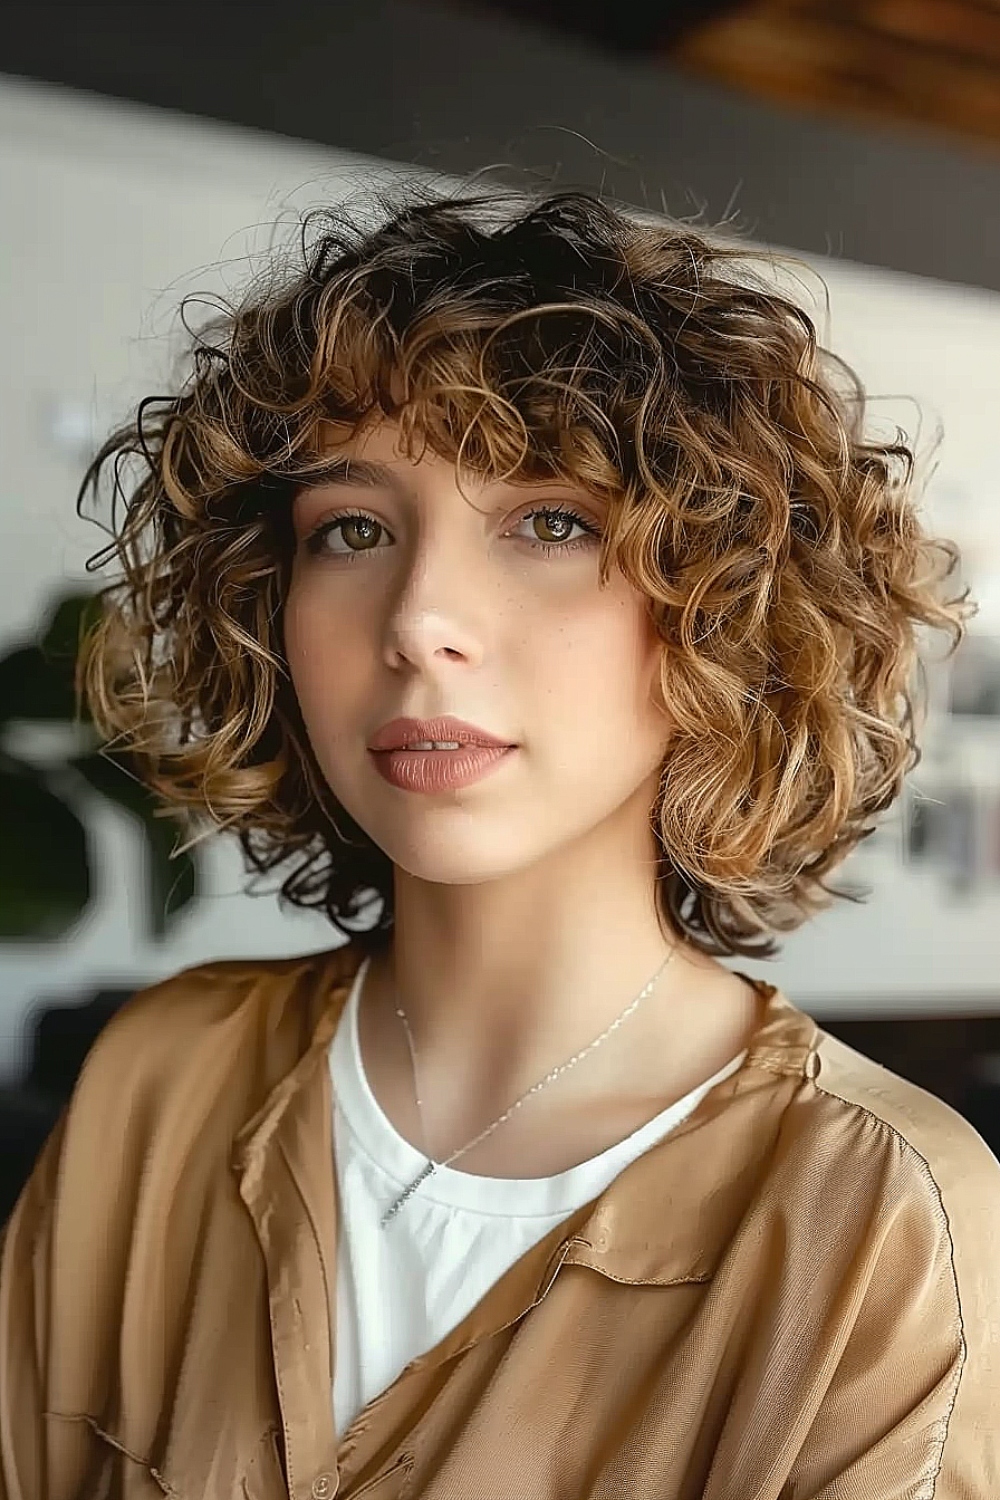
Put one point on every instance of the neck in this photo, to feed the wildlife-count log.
(503, 980)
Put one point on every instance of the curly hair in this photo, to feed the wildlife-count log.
(552, 336)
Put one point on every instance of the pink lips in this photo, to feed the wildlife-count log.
(399, 733)
(439, 770)
(436, 770)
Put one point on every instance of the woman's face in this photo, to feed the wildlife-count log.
(438, 603)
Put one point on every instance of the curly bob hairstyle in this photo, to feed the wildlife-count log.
(552, 336)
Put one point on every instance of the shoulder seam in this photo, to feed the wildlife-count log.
(943, 1213)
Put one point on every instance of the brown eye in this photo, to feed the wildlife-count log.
(366, 525)
(364, 529)
(563, 524)
(560, 520)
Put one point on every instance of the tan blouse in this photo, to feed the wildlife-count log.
(794, 1294)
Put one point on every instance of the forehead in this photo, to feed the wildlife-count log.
(374, 454)
(374, 457)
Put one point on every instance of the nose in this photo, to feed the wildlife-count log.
(440, 610)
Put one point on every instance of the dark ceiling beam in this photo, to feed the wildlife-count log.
(453, 89)
(628, 28)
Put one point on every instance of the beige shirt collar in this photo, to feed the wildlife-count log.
(654, 1224)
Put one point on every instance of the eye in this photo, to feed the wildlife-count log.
(360, 522)
(565, 520)
(355, 521)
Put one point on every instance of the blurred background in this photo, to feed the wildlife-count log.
(148, 157)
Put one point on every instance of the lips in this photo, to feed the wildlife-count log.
(436, 771)
(399, 733)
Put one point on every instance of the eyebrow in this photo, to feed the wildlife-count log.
(366, 472)
(369, 473)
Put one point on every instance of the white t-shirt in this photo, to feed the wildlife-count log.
(401, 1289)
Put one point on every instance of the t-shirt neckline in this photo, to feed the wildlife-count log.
(400, 1162)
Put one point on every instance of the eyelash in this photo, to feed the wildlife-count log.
(314, 541)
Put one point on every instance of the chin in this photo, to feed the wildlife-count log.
(472, 859)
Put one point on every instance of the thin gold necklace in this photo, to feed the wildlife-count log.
(431, 1165)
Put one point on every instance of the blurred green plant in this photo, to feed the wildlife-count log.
(46, 864)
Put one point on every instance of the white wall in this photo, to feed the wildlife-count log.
(111, 213)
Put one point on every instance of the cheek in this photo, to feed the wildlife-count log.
(621, 653)
(302, 648)
(321, 658)
(602, 673)
(294, 620)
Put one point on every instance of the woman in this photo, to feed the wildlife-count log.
(522, 1191)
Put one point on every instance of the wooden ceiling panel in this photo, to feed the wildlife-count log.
(933, 63)
(928, 63)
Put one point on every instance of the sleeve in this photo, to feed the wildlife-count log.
(64, 1251)
(25, 1244)
(912, 1411)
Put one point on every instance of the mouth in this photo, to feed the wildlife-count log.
(412, 769)
(445, 734)
(442, 748)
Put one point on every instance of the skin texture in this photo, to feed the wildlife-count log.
(525, 911)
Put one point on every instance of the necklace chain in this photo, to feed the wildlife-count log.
(431, 1165)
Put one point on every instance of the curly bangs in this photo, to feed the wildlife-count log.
(552, 336)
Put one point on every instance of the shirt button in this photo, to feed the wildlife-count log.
(322, 1487)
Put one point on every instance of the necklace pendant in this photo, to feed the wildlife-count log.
(393, 1210)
